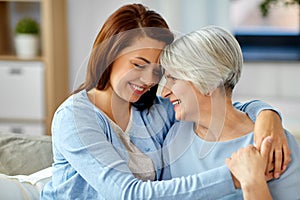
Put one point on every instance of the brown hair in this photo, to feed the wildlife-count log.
(118, 32)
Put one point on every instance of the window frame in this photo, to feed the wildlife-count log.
(269, 47)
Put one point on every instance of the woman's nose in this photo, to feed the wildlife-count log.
(166, 92)
(149, 78)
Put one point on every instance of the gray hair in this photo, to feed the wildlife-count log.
(210, 57)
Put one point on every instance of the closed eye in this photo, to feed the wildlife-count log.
(140, 60)
(157, 72)
(171, 77)
(139, 66)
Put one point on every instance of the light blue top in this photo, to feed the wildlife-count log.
(90, 162)
(189, 154)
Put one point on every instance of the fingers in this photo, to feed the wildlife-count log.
(278, 162)
(266, 147)
(236, 182)
(270, 163)
(258, 142)
(286, 157)
(282, 157)
(266, 152)
(269, 176)
(227, 162)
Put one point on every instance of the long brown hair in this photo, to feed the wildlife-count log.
(124, 26)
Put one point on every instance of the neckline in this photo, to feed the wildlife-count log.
(221, 142)
(129, 125)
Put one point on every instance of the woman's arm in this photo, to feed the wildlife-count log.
(80, 140)
(248, 166)
(268, 123)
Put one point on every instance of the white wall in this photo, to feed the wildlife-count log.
(84, 19)
(276, 83)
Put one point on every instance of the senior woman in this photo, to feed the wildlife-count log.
(201, 70)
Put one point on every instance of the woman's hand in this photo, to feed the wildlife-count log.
(268, 123)
(248, 165)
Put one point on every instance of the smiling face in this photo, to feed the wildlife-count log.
(188, 102)
(136, 70)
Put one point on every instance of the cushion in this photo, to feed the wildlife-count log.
(13, 189)
(24, 154)
(22, 187)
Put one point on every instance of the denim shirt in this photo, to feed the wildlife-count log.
(90, 162)
(184, 146)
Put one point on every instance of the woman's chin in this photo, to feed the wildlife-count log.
(134, 99)
(178, 117)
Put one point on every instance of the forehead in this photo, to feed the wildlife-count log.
(144, 44)
(168, 72)
(146, 48)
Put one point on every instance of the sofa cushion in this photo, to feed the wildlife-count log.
(24, 154)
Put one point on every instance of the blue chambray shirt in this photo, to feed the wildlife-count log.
(90, 162)
(184, 146)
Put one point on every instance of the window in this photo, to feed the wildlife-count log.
(275, 37)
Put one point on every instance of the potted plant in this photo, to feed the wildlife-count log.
(266, 5)
(27, 38)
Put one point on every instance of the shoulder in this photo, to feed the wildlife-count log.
(294, 166)
(76, 104)
(293, 145)
(77, 111)
(79, 99)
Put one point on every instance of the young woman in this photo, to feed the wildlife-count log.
(202, 69)
(107, 136)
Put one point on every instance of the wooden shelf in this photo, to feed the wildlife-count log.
(5, 120)
(15, 58)
(51, 15)
(20, 0)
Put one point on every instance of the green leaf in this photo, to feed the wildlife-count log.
(27, 25)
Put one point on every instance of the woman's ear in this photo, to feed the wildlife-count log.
(209, 94)
(217, 90)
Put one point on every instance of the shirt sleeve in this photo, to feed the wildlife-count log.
(81, 142)
(254, 107)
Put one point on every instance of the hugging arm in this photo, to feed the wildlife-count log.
(268, 123)
(81, 141)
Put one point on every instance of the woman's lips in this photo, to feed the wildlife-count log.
(137, 89)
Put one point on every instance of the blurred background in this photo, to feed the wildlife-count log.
(270, 44)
